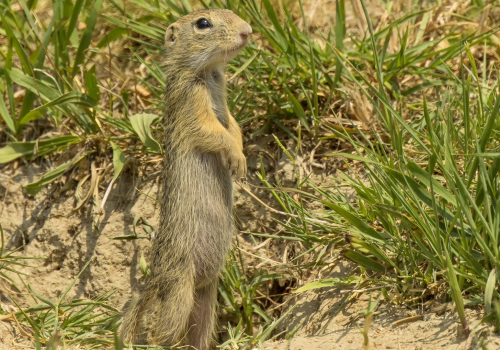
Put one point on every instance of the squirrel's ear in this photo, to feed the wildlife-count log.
(171, 35)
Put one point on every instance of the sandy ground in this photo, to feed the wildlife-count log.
(327, 321)
(47, 228)
(434, 331)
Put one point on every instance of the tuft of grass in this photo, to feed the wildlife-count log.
(10, 262)
(79, 321)
(426, 208)
(240, 292)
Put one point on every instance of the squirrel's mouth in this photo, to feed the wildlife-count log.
(227, 54)
(237, 47)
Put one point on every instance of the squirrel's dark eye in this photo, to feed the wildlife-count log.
(203, 23)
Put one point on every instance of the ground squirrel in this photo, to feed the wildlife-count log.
(203, 149)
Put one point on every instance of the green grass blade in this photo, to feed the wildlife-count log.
(21, 54)
(63, 295)
(141, 124)
(489, 290)
(281, 36)
(364, 261)
(15, 150)
(4, 113)
(456, 292)
(87, 36)
(423, 176)
(330, 282)
(361, 225)
(74, 19)
(42, 298)
(91, 85)
(33, 85)
(118, 160)
(35, 187)
(485, 137)
(340, 32)
(72, 97)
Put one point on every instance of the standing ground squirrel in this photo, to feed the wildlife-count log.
(203, 149)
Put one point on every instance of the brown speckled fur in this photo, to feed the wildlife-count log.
(203, 147)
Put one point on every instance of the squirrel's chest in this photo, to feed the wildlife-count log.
(218, 100)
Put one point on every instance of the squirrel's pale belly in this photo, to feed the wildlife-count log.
(214, 216)
(202, 187)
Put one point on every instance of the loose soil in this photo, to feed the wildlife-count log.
(47, 227)
(328, 323)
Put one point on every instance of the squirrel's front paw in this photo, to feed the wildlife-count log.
(237, 164)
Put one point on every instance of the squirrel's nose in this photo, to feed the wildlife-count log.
(245, 33)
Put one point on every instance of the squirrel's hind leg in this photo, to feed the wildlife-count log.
(172, 308)
(202, 320)
(161, 316)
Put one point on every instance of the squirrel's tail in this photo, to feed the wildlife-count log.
(160, 315)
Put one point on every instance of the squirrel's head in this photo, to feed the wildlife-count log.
(206, 38)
